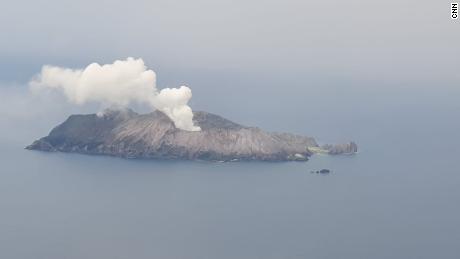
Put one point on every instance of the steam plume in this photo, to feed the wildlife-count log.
(119, 84)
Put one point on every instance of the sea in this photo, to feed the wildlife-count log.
(398, 197)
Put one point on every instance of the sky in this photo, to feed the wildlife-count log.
(404, 40)
(249, 60)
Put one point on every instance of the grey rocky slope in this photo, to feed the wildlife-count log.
(128, 134)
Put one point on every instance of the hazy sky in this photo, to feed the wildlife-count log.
(407, 40)
(251, 60)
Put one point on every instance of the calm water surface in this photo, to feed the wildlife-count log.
(397, 198)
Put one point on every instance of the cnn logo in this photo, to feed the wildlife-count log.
(454, 11)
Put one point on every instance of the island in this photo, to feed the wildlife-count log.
(125, 133)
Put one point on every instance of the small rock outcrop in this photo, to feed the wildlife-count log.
(322, 171)
(347, 148)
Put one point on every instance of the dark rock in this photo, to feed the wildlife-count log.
(322, 171)
(348, 148)
(131, 135)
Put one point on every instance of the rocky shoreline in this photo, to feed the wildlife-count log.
(153, 136)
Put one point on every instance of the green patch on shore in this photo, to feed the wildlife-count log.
(317, 150)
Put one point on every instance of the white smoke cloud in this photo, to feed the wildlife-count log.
(118, 84)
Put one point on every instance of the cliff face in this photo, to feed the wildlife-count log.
(128, 134)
